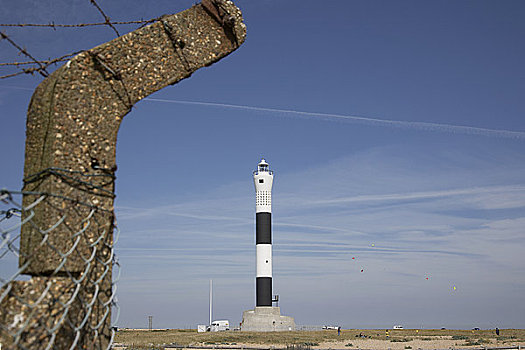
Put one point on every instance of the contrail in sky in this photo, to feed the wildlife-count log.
(450, 128)
(471, 130)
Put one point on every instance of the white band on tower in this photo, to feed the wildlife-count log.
(264, 260)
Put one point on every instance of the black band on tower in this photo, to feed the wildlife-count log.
(263, 228)
(263, 291)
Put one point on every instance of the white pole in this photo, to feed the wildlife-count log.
(211, 301)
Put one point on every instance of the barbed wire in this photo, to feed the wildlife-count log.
(106, 17)
(41, 69)
(77, 25)
(31, 70)
(40, 66)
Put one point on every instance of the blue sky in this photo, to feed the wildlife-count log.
(427, 182)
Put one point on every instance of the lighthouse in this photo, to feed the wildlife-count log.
(263, 180)
(265, 317)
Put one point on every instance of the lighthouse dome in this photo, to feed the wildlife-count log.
(263, 166)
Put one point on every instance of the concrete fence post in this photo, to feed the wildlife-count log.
(72, 124)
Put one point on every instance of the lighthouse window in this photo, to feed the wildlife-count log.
(261, 181)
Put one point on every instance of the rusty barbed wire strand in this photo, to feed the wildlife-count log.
(12, 75)
(45, 62)
(77, 25)
(40, 66)
(41, 70)
(107, 19)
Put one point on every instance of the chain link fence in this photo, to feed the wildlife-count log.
(57, 285)
(63, 308)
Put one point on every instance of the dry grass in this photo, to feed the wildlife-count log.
(157, 338)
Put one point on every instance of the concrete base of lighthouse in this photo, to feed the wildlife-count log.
(266, 319)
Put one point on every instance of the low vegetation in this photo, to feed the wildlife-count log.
(301, 340)
(400, 340)
(459, 337)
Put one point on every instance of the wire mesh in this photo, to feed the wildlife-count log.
(56, 250)
(62, 309)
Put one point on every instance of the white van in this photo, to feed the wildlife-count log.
(220, 325)
(330, 327)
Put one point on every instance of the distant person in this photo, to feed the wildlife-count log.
(497, 331)
(338, 330)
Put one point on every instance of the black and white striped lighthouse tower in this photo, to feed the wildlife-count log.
(263, 180)
(264, 317)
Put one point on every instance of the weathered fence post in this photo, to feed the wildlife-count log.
(72, 125)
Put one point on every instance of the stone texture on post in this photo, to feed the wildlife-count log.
(75, 113)
(71, 136)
